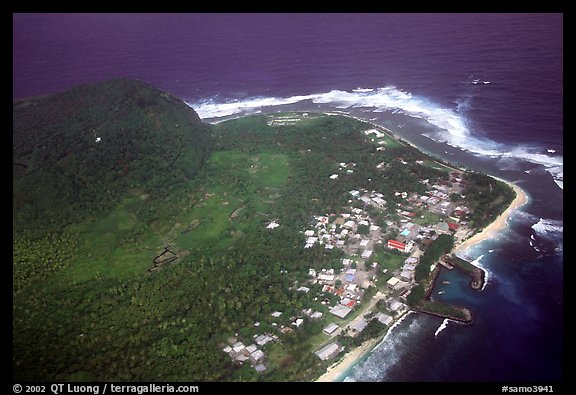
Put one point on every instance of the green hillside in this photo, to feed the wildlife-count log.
(78, 153)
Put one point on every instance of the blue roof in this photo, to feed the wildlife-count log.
(405, 232)
(350, 277)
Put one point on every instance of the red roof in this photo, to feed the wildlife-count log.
(453, 226)
(351, 303)
(396, 244)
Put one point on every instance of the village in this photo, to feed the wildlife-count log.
(407, 228)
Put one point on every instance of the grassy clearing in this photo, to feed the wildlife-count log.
(240, 197)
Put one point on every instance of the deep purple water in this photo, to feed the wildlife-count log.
(485, 90)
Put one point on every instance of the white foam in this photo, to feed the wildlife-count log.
(549, 228)
(477, 262)
(442, 326)
(452, 123)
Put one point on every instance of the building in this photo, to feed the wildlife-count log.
(358, 326)
(453, 226)
(340, 310)
(384, 318)
(257, 356)
(407, 275)
(402, 247)
(366, 254)
(393, 282)
(263, 339)
(328, 352)
(330, 329)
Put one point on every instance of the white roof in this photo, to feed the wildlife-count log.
(330, 328)
(340, 310)
(364, 242)
(334, 176)
(393, 281)
(328, 351)
(385, 319)
(359, 325)
(257, 355)
(366, 254)
(272, 225)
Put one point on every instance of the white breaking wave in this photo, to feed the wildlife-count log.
(451, 122)
(549, 228)
(386, 354)
(442, 326)
(477, 262)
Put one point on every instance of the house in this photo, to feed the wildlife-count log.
(257, 356)
(393, 282)
(407, 275)
(396, 305)
(396, 245)
(379, 201)
(238, 347)
(330, 329)
(366, 254)
(453, 226)
(328, 352)
(260, 368)
(316, 315)
(349, 224)
(263, 339)
(384, 318)
(340, 310)
(298, 322)
(358, 326)
(326, 278)
(251, 348)
(303, 289)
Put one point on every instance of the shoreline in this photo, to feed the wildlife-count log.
(500, 223)
(348, 360)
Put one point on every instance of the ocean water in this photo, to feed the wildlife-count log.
(482, 90)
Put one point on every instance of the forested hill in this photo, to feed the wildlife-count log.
(79, 152)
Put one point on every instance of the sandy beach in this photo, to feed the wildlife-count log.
(347, 361)
(500, 222)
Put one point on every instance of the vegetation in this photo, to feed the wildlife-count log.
(106, 175)
(486, 197)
